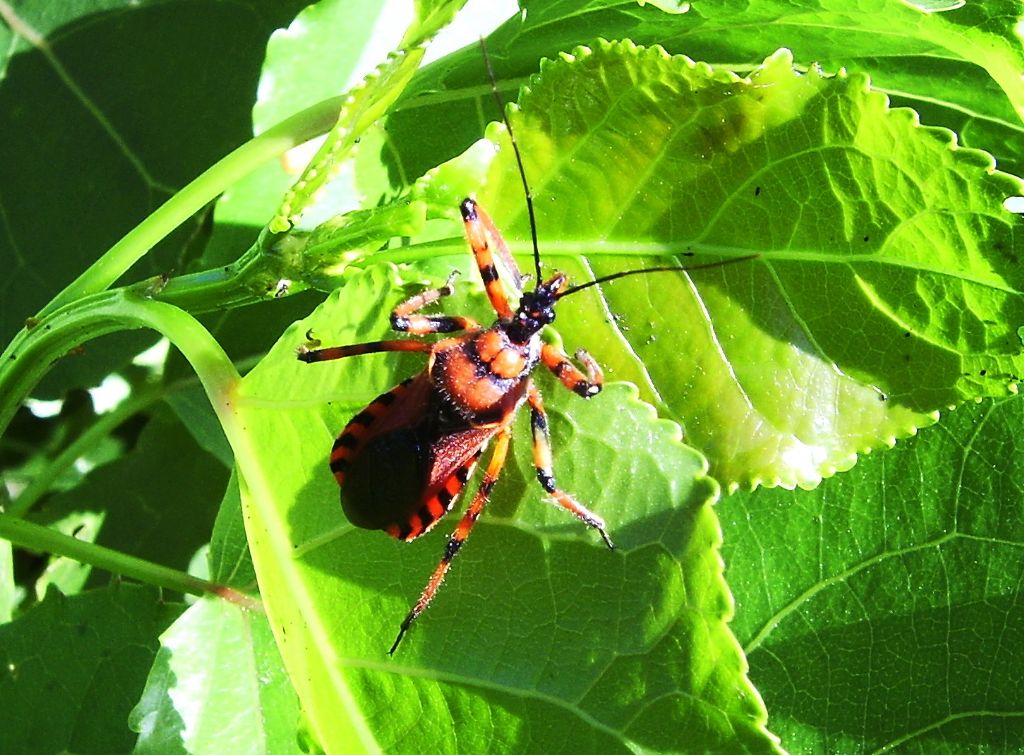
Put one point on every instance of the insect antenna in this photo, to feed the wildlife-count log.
(519, 157)
(665, 269)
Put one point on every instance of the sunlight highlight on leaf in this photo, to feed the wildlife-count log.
(885, 287)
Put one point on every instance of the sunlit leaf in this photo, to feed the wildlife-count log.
(960, 67)
(885, 286)
(217, 685)
(10, 593)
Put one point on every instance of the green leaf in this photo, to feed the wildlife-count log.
(883, 610)
(230, 562)
(539, 628)
(960, 66)
(305, 63)
(10, 593)
(191, 406)
(495, 660)
(66, 574)
(71, 668)
(863, 314)
(217, 685)
(960, 62)
(430, 17)
(306, 55)
(364, 105)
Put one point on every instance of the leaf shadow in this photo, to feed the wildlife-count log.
(535, 611)
(884, 684)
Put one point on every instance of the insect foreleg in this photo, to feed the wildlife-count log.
(462, 530)
(478, 228)
(545, 473)
(584, 385)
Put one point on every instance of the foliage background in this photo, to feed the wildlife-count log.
(879, 610)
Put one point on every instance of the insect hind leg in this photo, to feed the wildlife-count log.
(308, 355)
(461, 532)
(545, 474)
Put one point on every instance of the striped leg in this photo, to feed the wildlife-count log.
(404, 321)
(462, 531)
(545, 473)
(478, 227)
(306, 354)
(584, 385)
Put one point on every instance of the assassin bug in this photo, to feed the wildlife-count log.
(403, 461)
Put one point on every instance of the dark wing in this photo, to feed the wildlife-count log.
(400, 470)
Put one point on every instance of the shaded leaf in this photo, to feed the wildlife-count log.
(139, 99)
(71, 669)
(157, 503)
(32, 443)
(66, 574)
(192, 408)
(884, 609)
(230, 562)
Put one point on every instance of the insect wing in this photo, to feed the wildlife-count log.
(399, 471)
(453, 458)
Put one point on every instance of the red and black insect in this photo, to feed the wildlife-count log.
(403, 461)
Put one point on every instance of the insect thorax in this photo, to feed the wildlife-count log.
(483, 378)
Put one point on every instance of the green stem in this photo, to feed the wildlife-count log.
(32, 353)
(38, 538)
(43, 482)
(89, 318)
(8, 591)
(47, 338)
(211, 183)
(272, 267)
(363, 106)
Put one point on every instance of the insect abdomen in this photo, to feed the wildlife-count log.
(403, 460)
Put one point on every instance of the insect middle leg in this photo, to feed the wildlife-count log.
(545, 473)
(404, 320)
(462, 531)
